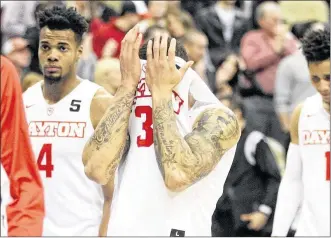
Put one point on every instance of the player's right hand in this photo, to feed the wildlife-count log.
(129, 58)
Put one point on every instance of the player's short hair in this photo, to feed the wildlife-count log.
(149, 31)
(62, 18)
(190, 35)
(180, 50)
(316, 45)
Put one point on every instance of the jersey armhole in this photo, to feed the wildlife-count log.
(97, 88)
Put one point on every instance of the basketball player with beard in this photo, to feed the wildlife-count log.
(174, 165)
(62, 111)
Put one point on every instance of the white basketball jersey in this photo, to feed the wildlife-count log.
(314, 141)
(142, 205)
(58, 132)
(5, 200)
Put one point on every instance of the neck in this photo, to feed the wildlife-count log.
(242, 124)
(121, 24)
(326, 106)
(223, 5)
(268, 34)
(55, 91)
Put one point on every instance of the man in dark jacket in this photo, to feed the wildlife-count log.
(224, 25)
(250, 191)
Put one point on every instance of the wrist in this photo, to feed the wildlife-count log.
(266, 210)
(161, 94)
(128, 85)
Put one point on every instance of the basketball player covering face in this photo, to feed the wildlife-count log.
(62, 112)
(183, 161)
(306, 182)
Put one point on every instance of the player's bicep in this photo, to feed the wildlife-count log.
(100, 103)
(215, 131)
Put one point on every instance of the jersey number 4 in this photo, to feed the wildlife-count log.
(44, 161)
(327, 156)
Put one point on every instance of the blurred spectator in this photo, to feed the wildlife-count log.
(250, 190)
(193, 7)
(17, 51)
(293, 80)
(32, 36)
(305, 11)
(178, 22)
(156, 15)
(17, 16)
(196, 43)
(116, 29)
(108, 74)
(30, 79)
(86, 64)
(152, 30)
(225, 92)
(256, 3)
(108, 13)
(227, 73)
(262, 51)
(224, 27)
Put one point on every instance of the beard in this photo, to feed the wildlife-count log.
(52, 79)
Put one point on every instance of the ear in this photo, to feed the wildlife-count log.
(79, 52)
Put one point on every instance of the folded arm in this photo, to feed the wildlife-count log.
(185, 160)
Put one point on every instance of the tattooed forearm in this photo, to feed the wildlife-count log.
(121, 153)
(106, 146)
(183, 161)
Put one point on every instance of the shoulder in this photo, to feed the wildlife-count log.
(220, 122)
(289, 60)
(201, 14)
(252, 35)
(99, 105)
(30, 93)
(295, 117)
(6, 62)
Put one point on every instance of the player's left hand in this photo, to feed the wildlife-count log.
(257, 220)
(161, 72)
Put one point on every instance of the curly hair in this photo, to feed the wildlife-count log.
(316, 45)
(180, 50)
(62, 18)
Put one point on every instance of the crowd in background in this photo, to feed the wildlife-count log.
(247, 52)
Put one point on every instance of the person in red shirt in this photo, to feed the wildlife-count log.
(115, 29)
(23, 204)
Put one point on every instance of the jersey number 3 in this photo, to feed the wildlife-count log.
(327, 156)
(46, 153)
(147, 126)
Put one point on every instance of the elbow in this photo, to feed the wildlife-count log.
(93, 172)
(85, 157)
(175, 183)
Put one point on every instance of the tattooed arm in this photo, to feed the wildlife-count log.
(105, 148)
(184, 161)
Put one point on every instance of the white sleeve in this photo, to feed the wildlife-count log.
(289, 193)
